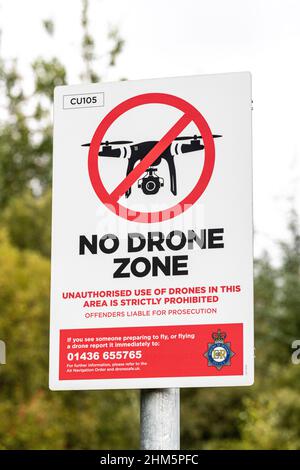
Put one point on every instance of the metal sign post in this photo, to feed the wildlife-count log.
(160, 419)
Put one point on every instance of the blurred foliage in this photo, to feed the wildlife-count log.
(27, 222)
(90, 59)
(32, 417)
(264, 416)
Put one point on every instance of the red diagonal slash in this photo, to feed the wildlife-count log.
(154, 153)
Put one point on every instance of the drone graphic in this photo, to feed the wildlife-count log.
(150, 183)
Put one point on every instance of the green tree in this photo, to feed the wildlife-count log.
(26, 137)
(31, 416)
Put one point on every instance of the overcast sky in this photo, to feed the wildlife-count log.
(171, 38)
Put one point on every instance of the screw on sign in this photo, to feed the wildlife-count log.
(190, 114)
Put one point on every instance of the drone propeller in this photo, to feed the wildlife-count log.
(113, 142)
(194, 137)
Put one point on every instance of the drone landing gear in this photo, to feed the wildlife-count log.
(172, 171)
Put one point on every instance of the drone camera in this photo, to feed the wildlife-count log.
(151, 183)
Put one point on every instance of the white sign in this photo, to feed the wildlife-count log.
(152, 234)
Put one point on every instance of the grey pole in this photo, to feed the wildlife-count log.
(159, 422)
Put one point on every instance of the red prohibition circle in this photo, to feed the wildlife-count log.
(191, 114)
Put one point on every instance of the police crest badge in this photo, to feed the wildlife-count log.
(219, 353)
